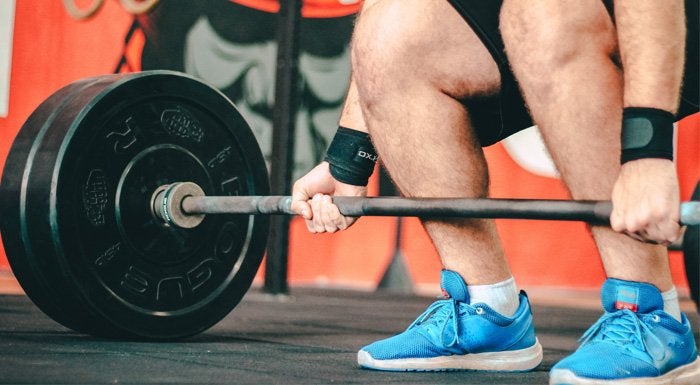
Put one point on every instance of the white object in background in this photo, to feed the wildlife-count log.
(7, 22)
(527, 149)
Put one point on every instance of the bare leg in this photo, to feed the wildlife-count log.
(413, 62)
(563, 53)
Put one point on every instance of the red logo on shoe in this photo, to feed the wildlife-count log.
(624, 305)
(627, 298)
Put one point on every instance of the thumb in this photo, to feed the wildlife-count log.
(299, 203)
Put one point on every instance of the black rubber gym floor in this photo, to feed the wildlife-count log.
(309, 338)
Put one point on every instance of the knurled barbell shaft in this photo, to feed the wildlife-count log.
(186, 200)
(592, 212)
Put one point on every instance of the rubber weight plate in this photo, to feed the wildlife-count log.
(87, 198)
(31, 271)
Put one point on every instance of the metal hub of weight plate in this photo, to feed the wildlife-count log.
(77, 190)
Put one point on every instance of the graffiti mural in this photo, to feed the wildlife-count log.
(232, 46)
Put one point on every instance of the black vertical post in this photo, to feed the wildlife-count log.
(283, 120)
(396, 277)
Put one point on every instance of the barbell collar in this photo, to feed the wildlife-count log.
(167, 202)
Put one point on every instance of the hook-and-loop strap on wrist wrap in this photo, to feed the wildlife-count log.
(351, 156)
(646, 133)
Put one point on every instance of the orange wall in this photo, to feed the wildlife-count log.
(50, 50)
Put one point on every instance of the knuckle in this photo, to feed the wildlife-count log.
(616, 223)
(635, 223)
(311, 228)
(672, 239)
(659, 214)
(632, 226)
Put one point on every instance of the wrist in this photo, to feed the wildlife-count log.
(646, 133)
(649, 164)
(351, 157)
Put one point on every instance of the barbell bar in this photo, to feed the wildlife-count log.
(104, 237)
(183, 205)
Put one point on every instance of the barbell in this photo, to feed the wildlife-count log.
(184, 204)
(133, 206)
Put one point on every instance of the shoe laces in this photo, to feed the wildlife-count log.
(445, 315)
(627, 330)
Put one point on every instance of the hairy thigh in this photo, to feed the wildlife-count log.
(404, 43)
(542, 36)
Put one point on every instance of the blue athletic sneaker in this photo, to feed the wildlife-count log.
(453, 335)
(634, 342)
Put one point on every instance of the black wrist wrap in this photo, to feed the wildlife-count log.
(646, 133)
(351, 156)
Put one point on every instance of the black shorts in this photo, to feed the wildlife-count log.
(499, 117)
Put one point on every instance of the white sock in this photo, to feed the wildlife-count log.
(671, 305)
(502, 297)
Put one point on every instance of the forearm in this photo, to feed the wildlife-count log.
(651, 36)
(351, 116)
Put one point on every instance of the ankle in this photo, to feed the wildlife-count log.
(501, 296)
(671, 305)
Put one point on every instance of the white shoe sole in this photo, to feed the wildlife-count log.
(508, 361)
(688, 374)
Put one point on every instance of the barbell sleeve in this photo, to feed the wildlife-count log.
(690, 213)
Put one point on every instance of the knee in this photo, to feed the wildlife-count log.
(409, 47)
(545, 35)
(382, 51)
